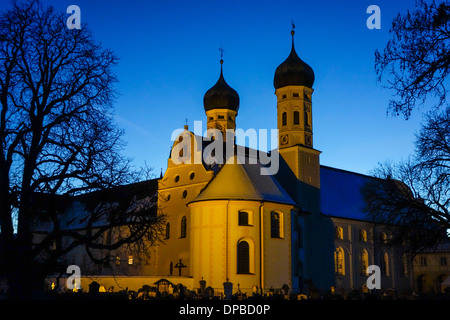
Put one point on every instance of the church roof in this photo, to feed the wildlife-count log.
(237, 181)
(341, 193)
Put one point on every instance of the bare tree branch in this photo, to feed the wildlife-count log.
(416, 61)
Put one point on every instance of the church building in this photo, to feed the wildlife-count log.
(300, 229)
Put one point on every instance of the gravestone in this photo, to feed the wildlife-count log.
(228, 289)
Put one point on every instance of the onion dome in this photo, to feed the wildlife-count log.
(221, 95)
(293, 71)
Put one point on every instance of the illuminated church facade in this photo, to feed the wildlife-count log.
(301, 229)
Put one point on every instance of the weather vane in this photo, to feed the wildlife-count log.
(293, 27)
(221, 54)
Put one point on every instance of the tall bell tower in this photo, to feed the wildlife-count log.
(312, 262)
(293, 83)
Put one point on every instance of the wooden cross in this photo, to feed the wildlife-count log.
(180, 265)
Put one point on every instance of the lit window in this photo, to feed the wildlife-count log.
(130, 260)
(339, 261)
(385, 264)
(364, 261)
(383, 237)
(339, 233)
(117, 260)
(363, 236)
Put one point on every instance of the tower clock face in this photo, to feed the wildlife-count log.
(284, 139)
(308, 140)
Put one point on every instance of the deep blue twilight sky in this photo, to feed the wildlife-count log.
(169, 58)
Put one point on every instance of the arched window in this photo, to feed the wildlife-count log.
(385, 264)
(284, 118)
(364, 261)
(183, 227)
(296, 117)
(243, 257)
(339, 233)
(383, 238)
(339, 261)
(276, 225)
(363, 235)
(243, 218)
(167, 231)
(405, 264)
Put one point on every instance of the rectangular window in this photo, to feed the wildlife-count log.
(295, 95)
(423, 261)
(130, 260)
(183, 227)
(243, 218)
(296, 117)
(276, 225)
(221, 117)
(284, 118)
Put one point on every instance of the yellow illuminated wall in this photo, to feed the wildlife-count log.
(180, 184)
(216, 233)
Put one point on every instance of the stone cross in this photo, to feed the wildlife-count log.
(180, 265)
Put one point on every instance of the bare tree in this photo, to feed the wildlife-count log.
(57, 137)
(413, 196)
(416, 61)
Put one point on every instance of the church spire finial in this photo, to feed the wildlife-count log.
(221, 54)
(221, 58)
(293, 32)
